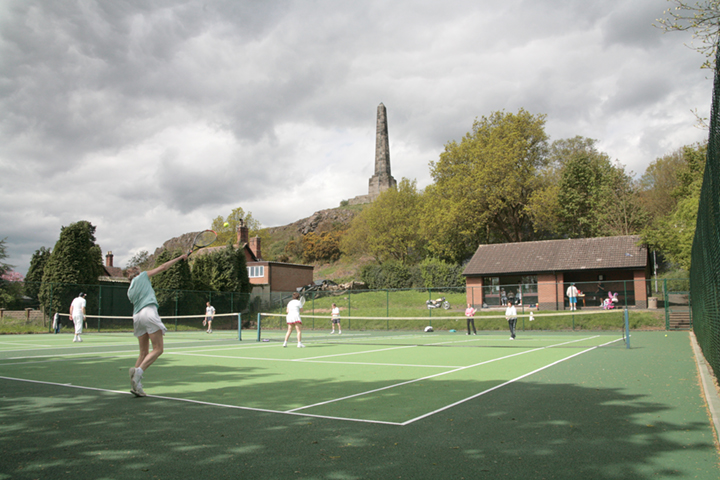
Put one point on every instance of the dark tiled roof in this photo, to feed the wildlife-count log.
(113, 271)
(559, 256)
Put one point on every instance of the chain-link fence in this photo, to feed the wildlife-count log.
(705, 269)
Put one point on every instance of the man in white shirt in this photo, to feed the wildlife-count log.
(572, 293)
(511, 317)
(77, 313)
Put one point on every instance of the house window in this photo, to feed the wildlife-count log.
(256, 272)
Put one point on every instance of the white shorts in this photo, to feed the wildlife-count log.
(147, 321)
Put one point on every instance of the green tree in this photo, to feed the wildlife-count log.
(4, 267)
(76, 260)
(140, 259)
(224, 270)
(438, 273)
(622, 212)
(672, 234)
(482, 185)
(173, 285)
(6, 289)
(702, 18)
(34, 276)
(389, 228)
(229, 233)
(324, 246)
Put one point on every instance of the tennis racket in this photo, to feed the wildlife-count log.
(302, 302)
(202, 240)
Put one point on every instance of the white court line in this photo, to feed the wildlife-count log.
(355, 353)
(168, 349)
(295, 411)
(446, 407)
(413, 381)
(199, 402)
(24, 345)
(433, 376)
(311, 361)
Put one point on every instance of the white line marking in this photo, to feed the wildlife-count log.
(295, 410)
(435, 375)
(186, 400)
(415, 380)
(446, 407)
(355, 353)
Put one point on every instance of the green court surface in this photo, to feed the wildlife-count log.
(440, 405)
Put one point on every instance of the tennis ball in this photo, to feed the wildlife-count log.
(226, 224)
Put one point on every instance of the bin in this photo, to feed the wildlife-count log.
(652, 302)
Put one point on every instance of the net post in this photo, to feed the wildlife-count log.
(239, 327)
(626, 332)
(258, 326)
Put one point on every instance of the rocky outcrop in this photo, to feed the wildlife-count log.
(319, 222)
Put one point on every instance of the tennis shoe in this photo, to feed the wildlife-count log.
(133, 382)
(339, 333)
(300, 345)
(210, 331)
(138, 391)
(511, 338)
(75, 339)
(331, 333)
(284, 345)
(79, 338)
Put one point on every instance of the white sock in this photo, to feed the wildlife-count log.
(139, 372)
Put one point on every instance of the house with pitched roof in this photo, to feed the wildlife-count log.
(539, 273)
(266, 276)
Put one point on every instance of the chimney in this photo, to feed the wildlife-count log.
(255, 247)
(242, 233)
(109, 259)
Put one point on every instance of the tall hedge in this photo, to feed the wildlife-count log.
(74, 264)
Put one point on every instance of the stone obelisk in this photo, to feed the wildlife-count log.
(382, 180)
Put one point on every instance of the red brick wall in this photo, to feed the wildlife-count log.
(550, 291)
(473, 291)
(640, 284)
(285, 277)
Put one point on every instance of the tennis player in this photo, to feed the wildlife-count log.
(511, 317)
(293, 319)
(77, 313)
(209, 315)
(147, 325)
(335, 318)
(470, 314)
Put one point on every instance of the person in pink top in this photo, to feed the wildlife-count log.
(470, 314)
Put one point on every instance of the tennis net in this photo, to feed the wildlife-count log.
(596, 327)
(110, 323)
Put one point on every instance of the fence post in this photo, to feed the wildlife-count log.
(239, 326)
(99, 305)
(627, 328)
(666, 302)
(625, 289)
(258, 326)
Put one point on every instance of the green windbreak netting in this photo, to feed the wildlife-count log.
(705, 269)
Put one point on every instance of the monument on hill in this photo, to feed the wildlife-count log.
(382, 179)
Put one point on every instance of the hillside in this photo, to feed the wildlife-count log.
(274, 240)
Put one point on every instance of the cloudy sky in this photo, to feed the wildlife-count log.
(149, 118)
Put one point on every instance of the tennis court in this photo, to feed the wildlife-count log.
(361, 405)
